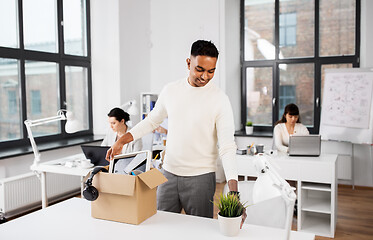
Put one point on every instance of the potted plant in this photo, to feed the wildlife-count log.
(229, 215)
(249, 128)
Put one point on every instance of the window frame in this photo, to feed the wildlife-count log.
(317, 60)
(21, 54)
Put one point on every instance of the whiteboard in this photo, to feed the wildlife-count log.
(346, 112)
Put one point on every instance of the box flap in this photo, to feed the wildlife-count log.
(114, 183)
(152, 178)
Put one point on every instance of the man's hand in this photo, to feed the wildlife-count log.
(114, 150)
(233, 186)
(118, 146)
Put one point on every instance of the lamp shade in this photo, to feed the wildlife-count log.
(130, 107)
(266, 185)
(264, 189)
(72, 125)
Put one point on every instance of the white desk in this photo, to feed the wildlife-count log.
(317, 188)
(57, 166)
(72, 219)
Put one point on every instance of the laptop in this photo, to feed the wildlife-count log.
(306, 145)
(96, 154)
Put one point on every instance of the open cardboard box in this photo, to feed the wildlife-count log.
(126, 198)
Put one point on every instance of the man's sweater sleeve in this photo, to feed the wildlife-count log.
(227, 145)
(153, 120)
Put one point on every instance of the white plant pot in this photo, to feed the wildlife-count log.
(249, 130)
(229, 226)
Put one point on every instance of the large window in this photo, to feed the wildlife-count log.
(288, 27)
(287, 44)
(45, 65)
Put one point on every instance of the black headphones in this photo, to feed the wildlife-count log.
(90, 192)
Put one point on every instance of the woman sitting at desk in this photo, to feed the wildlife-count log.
(118, 122)
(288, 125)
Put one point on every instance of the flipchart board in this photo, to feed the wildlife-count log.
(347, 106)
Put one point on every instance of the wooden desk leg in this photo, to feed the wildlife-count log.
(44, 198)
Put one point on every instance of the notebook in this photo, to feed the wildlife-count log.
(96, 154)
(306, 145)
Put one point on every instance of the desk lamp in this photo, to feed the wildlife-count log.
(72, 125)
(270, 184)
(130, 107)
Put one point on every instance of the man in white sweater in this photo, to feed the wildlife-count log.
(200, 129)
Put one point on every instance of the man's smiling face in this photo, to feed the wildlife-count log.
(201, 70)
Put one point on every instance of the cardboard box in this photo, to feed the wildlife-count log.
(126, 198)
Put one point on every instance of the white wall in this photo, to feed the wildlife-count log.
(175, 25)
(105, 61)
(134, 49)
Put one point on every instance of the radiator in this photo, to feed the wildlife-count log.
(22, 193)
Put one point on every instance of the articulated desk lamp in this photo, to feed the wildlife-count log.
(272, 197)
(130, 107)
(270, 184)
(72, 125)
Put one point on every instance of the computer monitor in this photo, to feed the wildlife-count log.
(305, 145)
(130, 162)
(96, 154)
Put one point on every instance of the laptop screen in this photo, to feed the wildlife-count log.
(306, 145)
(96, 154)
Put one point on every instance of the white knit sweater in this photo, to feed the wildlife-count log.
(200, 129)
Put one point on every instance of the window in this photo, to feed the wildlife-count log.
(44, 24)
(12, 102)
(77, 93)
(287, 96)
(286, 45)
(288, 29)
(259, 95)
(8, 23)
(10, 110)
(75, 29)
(45, 65)
(35, 102)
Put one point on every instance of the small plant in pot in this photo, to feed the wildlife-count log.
(229, 215)
(249, 128)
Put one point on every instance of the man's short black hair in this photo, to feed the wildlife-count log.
(204, 48)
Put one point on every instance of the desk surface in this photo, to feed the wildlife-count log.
(57, 166)
(314, 169)
(72, 219)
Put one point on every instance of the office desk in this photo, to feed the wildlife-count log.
(72, 219)
(316, 188)
(58, 166)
